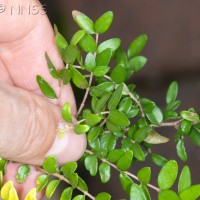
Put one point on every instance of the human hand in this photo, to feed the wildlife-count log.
(28, 120)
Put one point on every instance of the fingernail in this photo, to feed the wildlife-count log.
(67, 145)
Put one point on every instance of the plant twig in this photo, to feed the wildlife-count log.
(166, 124)
(85, 96)
(137, 102)
(125, 172)
(61, 177)
(90, 83)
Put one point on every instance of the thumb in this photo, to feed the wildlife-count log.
(29, 126)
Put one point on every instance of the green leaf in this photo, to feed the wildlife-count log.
(118, 118)
(95, 145)
(118, 74)
(74, 180)
(66, 113)
(70, 54)
(133, 112)
(3, 163)
(137, 63)
(115, 97)
(103, 196)
(194, 135)
(115, 155)
(125, 161)
(101, 103)
(136, 193)
(170, 115)
(146, 192)
(103, 58)
(94, 133)
(51, 67)
(50, 164)
(81, 128)
(83, 21)
(173, 105)
(181, 151)
(82, 185)
(168, 175)
(144, 175)
(190, 116)
(103, 23)
(66, 194)
(45, 88)
(172, 92)
(95, 91)
(126, 144)
(120, 57)
(91, 164)
(155, 138)
(108, 141)
(100, 153)
(1, 179)
(186, 126)
(107, 86)
(125, 105)
(137, 45)
(69, 168)
(147, 105)
(100, 70)
(184, 179)
(112, 127)
(61, 42)
(88, 44)
(65, 75)
(22, 173)
(79, 197)
(77, 37)
(168, 194)
(51, 187)
(104, 171)
(142, 133)
(137, 152)
(90, 62)
(191, 193)
(158, 160)
(92, 119)
(156, 116)
(112, 44)
(126, 182)
(78, 79)
(42, 181)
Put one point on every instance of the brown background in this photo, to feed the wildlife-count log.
(173, 52)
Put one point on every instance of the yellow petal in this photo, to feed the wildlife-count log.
(5, 190)
(31, 195)
(13, 194)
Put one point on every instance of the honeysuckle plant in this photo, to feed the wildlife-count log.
(121, 127)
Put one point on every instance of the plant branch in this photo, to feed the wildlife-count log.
(137, 102)
(85, 96)
(62, 178)
(126, 172)
(90, 83)
(168, 124)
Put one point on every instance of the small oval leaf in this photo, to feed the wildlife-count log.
(46, 88)
(168, 175)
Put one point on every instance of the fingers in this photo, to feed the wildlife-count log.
(29, 129)
(24, 188)
(23, 51)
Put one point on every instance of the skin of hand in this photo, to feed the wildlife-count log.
(29, 120)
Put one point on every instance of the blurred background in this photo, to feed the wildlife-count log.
(173, 52)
